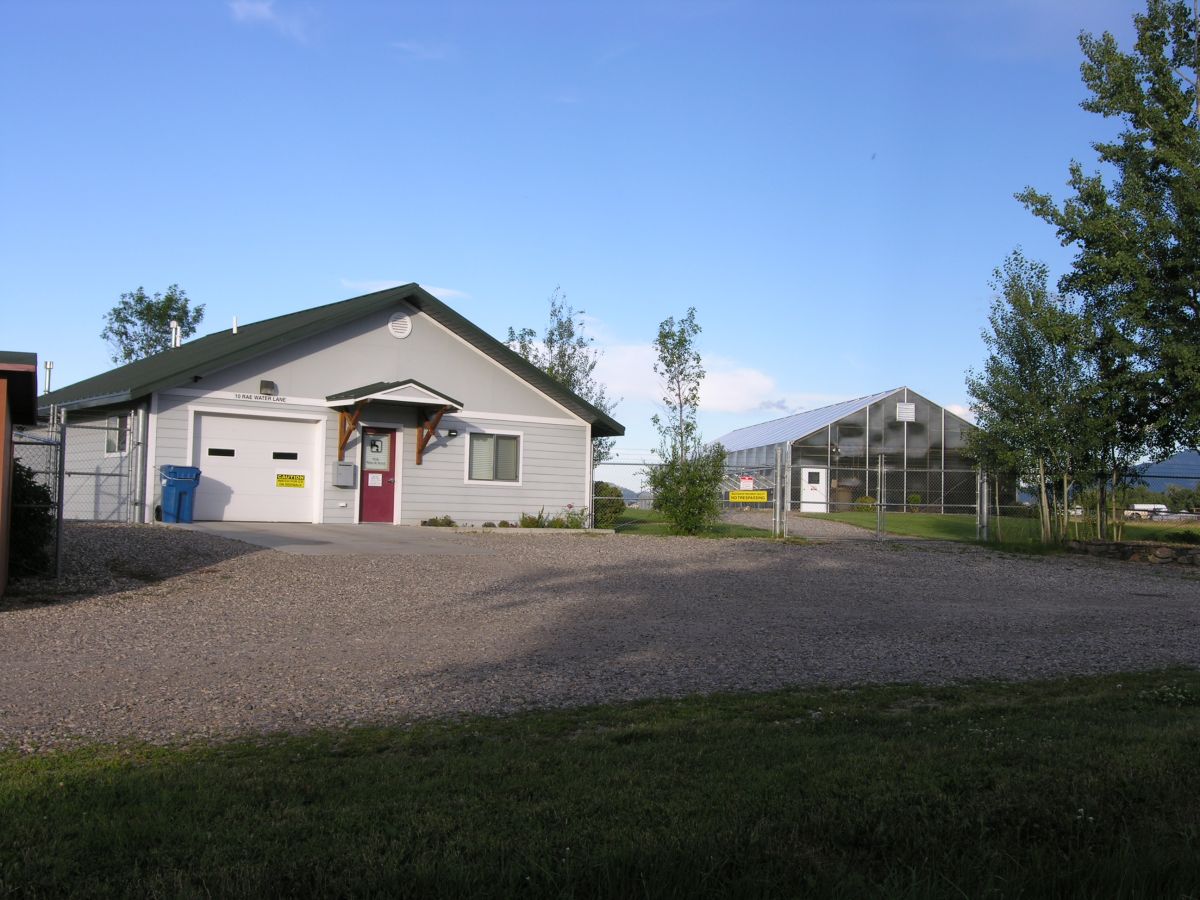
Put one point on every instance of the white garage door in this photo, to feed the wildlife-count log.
(255, 469)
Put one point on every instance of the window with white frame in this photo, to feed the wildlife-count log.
(116, 435)
(495, 457)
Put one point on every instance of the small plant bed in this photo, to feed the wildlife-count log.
(652, 522)
(1062, 788)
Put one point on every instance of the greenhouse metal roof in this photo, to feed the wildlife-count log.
(793, 427)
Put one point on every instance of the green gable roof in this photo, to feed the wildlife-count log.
(194, 360)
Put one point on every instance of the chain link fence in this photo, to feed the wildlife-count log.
(37, 540)
(830, 503)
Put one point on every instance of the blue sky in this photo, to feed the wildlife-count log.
(830, 185)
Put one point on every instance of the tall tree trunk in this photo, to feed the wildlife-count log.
(1102, 512)
(1066, 520)
(1046, 538)
(999, 537)
(1118, 519)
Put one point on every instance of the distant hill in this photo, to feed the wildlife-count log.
(1182, 469)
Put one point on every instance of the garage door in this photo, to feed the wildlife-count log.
(254, 469)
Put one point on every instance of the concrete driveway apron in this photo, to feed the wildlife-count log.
(350, 540)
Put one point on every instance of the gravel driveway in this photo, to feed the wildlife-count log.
(250, 640)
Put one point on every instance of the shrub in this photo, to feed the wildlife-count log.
(914, 499)
(504, 524)
(568, 518)
(33, 523)
(688, 490)
(528, 520)
(439, 522)
(609, 504)
(865, 502)
(489, 524)
(571, 517)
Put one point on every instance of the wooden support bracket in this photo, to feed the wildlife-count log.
(427, 430)
(347, 422)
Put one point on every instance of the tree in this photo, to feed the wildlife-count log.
(566, 354)
(1031, 399)
(687, 483)
(140, 326)
(1136, 233)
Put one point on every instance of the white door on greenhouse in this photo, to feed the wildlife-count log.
(814, 490)
(255, 469)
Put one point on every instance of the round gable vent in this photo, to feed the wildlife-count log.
(400, 325)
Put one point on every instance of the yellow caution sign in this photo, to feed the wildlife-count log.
(289, 481)
(747, 496)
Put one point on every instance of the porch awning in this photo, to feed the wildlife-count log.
(350, 405)
(408, 392)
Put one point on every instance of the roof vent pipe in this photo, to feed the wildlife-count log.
(235, 324)
(176, 334)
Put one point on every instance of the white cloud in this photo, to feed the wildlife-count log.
(420, 50)
(264, 12)
(961, 411)
(444, 293)
(627, 371)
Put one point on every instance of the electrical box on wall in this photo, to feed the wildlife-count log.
(345, 474)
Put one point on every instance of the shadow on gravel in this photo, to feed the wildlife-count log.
(756, 616)
(101, 558)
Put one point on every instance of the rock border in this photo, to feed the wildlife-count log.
(1131, 551)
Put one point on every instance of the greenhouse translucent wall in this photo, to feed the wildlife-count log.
(922, 446)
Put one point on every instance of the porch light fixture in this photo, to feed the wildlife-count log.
(268, 388)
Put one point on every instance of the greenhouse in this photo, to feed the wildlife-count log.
(835, 454)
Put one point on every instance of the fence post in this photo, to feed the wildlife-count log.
(776, 529)
(879, 512)
(981, 505)
(62, 478)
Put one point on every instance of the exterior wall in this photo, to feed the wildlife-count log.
(553, 473)
(364, 352)
(555, 454)
(172, 429)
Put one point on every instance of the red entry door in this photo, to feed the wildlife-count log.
(378, 488)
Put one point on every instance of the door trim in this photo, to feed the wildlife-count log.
(397, 464)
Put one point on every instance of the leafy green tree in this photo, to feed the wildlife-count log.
(687, 484)
(140, 325)
(567, 354)
(1135, 225)
(1031, 398)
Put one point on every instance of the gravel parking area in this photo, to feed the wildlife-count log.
(250, 640)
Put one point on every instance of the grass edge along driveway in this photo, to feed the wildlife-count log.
(1073, 787)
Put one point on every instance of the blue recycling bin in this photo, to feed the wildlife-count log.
(179, 492)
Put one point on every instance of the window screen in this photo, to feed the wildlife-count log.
(495, 457)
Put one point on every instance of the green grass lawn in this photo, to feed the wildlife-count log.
(1074, 788)
(649, 521)
(1011, 529)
